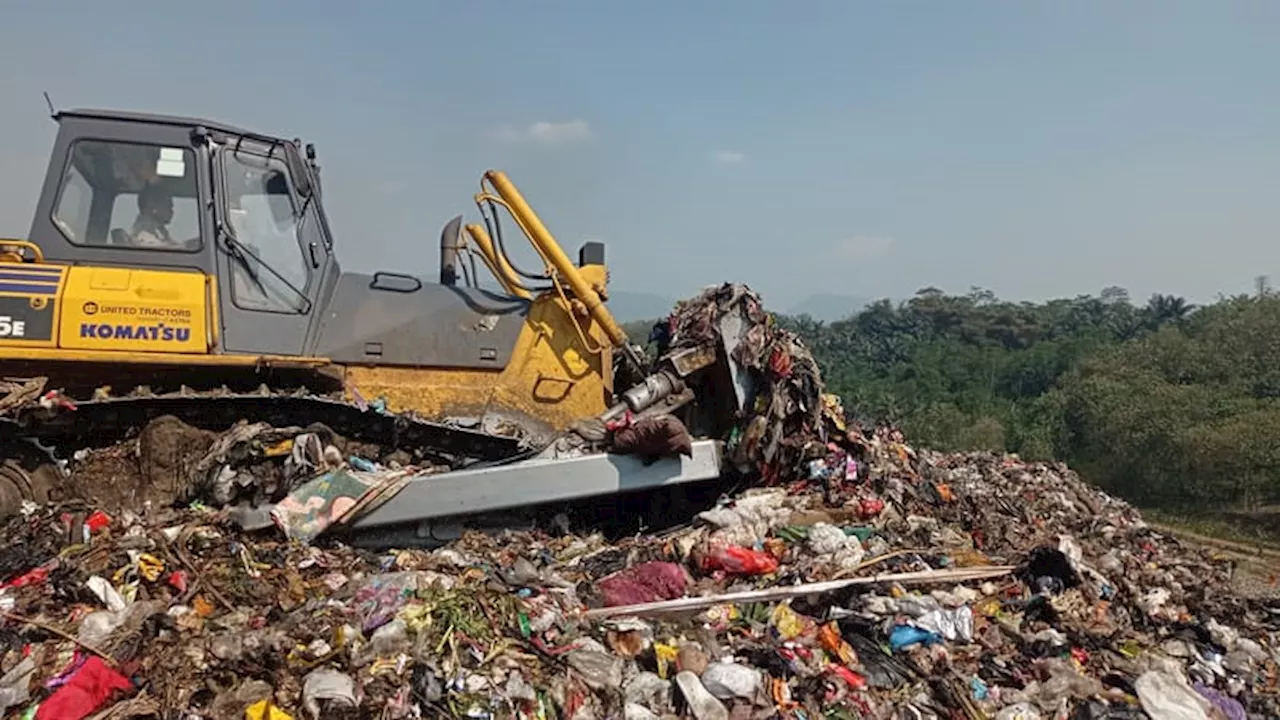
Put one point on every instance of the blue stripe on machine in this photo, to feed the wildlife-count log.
(33, 277)
(29, 288)
(33, 269)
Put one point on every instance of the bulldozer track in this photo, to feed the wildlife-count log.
(106, 421)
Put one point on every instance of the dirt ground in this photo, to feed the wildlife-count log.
(1257, 580)
(1257, 572)
(154, 468)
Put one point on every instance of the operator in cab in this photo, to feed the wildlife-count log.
(155, 212)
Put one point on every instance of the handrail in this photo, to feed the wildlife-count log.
(34, 248)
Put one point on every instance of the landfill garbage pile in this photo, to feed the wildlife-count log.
(791, 415)
(942, 586)
(864, 579)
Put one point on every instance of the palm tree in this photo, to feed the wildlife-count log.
(1164, 309)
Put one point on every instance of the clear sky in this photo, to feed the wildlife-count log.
(864, 148)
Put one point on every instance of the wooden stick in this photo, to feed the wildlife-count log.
(180, 551)
(876, 561)
(782, 593)
(65, 636)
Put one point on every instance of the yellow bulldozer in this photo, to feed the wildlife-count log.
(183, 267)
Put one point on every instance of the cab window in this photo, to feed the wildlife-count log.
(129, 195)
(270, 272)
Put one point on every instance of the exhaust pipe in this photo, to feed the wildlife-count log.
(450, 251)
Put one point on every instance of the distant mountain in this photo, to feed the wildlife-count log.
(829, 307)
(632, 306)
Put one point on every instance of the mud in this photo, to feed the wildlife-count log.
(170, 462)
(168, 452)
(152, 470)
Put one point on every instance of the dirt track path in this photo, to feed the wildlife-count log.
(1257, 572)
(1250, 550)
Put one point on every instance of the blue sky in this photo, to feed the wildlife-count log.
(1034, 148)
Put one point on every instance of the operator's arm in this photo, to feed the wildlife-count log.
(147, 238)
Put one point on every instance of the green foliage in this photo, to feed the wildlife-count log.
(1187, 415)
(1164, 403)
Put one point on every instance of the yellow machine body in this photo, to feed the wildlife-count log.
(79, 320)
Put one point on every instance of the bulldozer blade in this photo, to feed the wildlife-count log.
(536, 482)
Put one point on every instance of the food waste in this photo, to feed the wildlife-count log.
(854, 576)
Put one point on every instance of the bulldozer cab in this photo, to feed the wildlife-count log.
(176, 194)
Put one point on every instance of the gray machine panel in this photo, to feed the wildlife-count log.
(402, 321)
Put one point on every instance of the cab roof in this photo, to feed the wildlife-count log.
(157, 119)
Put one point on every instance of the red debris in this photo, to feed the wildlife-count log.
(646, 582)
(738, 560)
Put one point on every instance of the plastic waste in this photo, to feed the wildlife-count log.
(1166, 697)
(15, 685)
(730, 680)
(382, 596)
(85, 692)
(904, 636)
(233, 703)
(739, 560)
(1094, 710)
(915, 605)
(629, 637)
(880, 669)
(650, 691)
(870, 507)
(1066, 682)
(702, 704)
(953, 625)
(636, 711)
(327, 687)
(391, 638)
(1020, 711)
(425, 685)
(96, 626)
(1048, 570)
(1230, 708)
(517, 688)
(749, 518)
(836, 547)
(851, 679)
(787, 624)
(362, 464)
(150, 567)
(265, 710)
(106, 593)
(599, 670)
(96, 522)
(832, 642)
(35, 576)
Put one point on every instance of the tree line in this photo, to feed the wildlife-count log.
(1164, 403)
